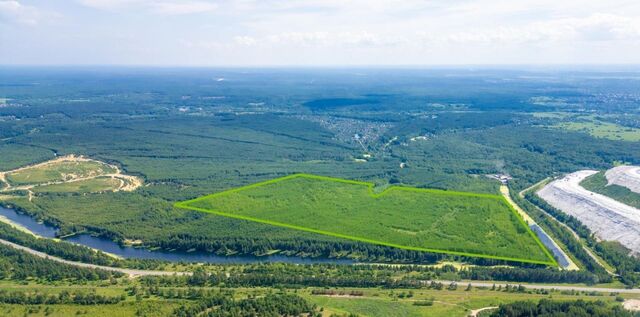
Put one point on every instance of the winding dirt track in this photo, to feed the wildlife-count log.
(129, 272)
(475, 312)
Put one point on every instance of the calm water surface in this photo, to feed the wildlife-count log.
(109, 246)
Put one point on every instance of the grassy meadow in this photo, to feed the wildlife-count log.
(410, 218)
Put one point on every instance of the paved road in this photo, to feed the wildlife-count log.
(129, 272)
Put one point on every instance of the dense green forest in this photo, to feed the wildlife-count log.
(186, 136)
(548, 308)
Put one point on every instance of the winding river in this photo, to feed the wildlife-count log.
(109, 246)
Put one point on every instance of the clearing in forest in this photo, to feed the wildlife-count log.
(67, 174)
(469, 224)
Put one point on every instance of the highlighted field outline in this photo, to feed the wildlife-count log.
(370, 186)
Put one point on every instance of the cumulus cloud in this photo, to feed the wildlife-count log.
(15, 12)
(174, 7)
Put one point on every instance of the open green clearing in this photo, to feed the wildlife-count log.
(403, 217)
(58, 171)
(93, 185)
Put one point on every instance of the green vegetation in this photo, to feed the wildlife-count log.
(549, 308)
(188, 136)
(94, 185)
(70, 251)
(58, 171)
(408, 218)
(598, 183)
(600, 129)
(20, 266)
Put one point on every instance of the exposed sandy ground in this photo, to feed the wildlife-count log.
(504, 190)
(608, 218)
(626, 176)
(475, 312)
(127, 182)
(632, 304)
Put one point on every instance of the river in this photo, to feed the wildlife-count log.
(109, 246)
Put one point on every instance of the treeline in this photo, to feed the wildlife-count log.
(529, 275)
(627, 266)
(64, 297)
(61, 249)
(327, 275)
(19, 265)
(549, 308)
(556, 230)
(71, 251)
(224, 305)
(317, 248)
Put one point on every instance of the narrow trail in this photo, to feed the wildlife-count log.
(475, 312)
(130, 272)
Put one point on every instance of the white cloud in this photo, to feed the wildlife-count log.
(15, 12)
(173, 7)
(596, 27)
(327, 31)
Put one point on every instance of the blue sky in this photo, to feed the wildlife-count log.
(318, 32)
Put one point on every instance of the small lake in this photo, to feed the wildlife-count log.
(109, 246)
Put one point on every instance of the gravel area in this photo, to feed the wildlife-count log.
(626, 176)
(608, 218)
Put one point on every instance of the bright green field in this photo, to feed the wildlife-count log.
(409, 218)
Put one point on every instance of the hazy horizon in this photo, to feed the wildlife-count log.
(314, 33)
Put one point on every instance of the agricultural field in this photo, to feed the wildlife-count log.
(405, 217)
(601, 129)
(598, 183)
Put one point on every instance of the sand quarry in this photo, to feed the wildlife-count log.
(606, 217)
(626, 176)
